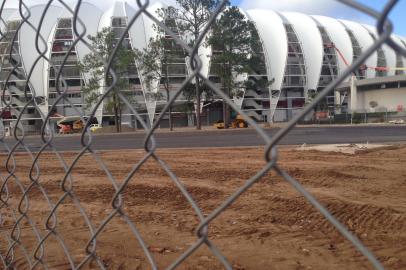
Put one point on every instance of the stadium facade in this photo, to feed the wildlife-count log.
(301, 54)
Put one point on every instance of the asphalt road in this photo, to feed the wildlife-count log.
(229, 138)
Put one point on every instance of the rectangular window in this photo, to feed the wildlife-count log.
(215, 79)
(177, 80)
(119, 22)
(65, 23)
(64, 34)
(135, 81)
(67, 72)
(70, 82)
(57, 59)
(175, 69)
(62, 46)
(73, 82)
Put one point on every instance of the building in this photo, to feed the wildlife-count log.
(380, 94)
(300, 55)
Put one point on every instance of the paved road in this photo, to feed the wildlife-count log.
(229, 138)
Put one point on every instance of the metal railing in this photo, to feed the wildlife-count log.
(11, 236)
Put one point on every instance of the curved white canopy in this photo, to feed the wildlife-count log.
(312, 45)
(275, 43)
(340, 38)
(365, 41)
(390, 54)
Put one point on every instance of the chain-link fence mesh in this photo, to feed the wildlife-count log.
(16, 194)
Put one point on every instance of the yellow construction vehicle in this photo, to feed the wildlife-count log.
(238, 122)
(70, 124)
(78, 126)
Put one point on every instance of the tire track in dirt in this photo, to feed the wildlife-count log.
(364, 191)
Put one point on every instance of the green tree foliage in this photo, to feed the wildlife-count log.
(235, 43)
(98, 79)
(153, 62)
(191, 17)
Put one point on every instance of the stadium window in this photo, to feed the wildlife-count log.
(64, 23)
(215, 79)
(118, 22)
(74, 95)
(135, 81)
(74, 82)
(177, 80)
(392, 85)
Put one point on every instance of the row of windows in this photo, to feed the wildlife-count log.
(57, 58)
(62, 46)
(65, 34)
(119, 22)
(295, 71)
(382, 86)
(5, 48)
(69, 95)
(69, 82)
(65, 23)
(67, 71)
(16, 75)
(294, 81)
(69, 105)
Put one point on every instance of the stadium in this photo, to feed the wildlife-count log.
(301, 54)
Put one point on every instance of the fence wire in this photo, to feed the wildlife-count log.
(18, 217)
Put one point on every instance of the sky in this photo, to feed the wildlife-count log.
(331, 8)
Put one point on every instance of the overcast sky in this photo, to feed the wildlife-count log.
(320, 7)
(331, 8)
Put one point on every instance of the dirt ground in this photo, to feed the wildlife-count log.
(269, 227)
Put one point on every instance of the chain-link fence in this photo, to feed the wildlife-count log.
(15, 218)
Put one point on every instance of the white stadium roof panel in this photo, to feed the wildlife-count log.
(312, 45)
(339, 37)
(365, 41)
(274, 42)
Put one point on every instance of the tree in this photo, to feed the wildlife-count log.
(97, 76)
(234, 40)
(153, 64)
(191, 16)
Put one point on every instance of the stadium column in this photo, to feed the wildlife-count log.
(337, 101)
(353, 90)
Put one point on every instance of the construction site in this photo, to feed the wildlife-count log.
(271, 226)
(201, 135)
